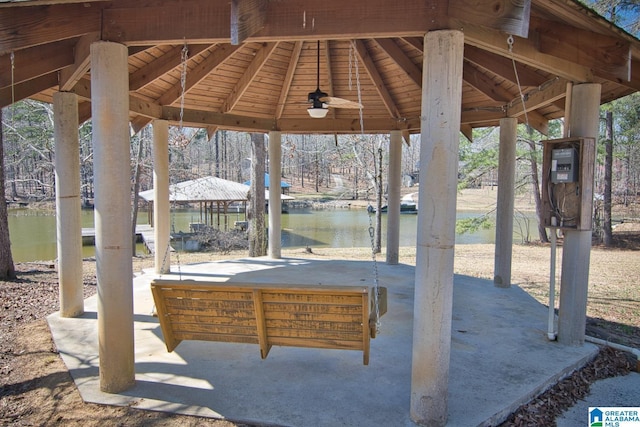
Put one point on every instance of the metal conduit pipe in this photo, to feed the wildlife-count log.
(634, 351)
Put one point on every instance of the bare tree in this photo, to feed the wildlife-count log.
(137, 171)
(7, 269)
(608, 168)
(535, 188)
(257, 235)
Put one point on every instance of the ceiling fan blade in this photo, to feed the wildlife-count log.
(334, 102)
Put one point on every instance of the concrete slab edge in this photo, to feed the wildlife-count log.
(501, 416)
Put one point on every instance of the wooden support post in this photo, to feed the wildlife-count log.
(275, 200)
(504, 211)
(576, 250)
(68, 208)
(112, 177)
(441, 95)
(393, 203)
(161, 205)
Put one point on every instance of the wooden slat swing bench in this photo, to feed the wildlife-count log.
(317, 316)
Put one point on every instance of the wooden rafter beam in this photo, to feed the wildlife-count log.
(329, 74)
(538, 98)
(339, 126)
(503, 67)
(467, 131)
(173, 22)
(200, 72)
(247, 18)
(406, 135)
(510, 17)
(82, 88)
(241, 86)
(479, 115)
(224, 120)
(14, 3)
(375, 76)
(138, 123)
(23, 27)
(145, 108)
(524, 51)
(403, 61)
(482, 83)
(162, 65)
(211, 131)
(536, 121)
(634, 83)
(475, 117)
(416, 43)
(288, 78)
(35, 62)
(82, 61)
(15, 93)
(611, 55)
(84, 112)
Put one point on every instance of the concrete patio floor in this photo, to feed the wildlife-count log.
(500, 355)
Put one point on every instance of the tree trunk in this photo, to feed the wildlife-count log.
(257, 235)
(136, 190)
(377, 248)
(217, 144)
(7, 269)
(535, 181)
(608, 168)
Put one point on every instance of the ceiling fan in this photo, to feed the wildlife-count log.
(320, 101)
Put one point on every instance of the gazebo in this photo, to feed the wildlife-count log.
(437, 68)
(284, 186)
(212, 194)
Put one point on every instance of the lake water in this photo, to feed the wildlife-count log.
(33, 233)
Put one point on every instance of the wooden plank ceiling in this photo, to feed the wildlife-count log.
(182, 61)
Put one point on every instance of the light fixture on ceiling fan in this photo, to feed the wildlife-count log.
(320, 101)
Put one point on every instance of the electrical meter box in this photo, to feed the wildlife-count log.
(567, 183)
(564, 165)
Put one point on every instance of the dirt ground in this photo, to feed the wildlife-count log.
(36, 388)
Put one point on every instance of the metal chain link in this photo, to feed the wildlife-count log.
(353, 62)
(183, 79)
(13, 68)
(357, 69)
(510, 42)
(376, 302)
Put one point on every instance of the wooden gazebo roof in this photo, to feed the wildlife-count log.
(370, 50)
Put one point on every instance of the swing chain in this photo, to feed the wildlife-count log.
(184, 56)
(376, 295)
(510, 42)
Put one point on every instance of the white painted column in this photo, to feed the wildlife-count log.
(161, 204)
(275, 201)
(393, 201)
(68, 208)
(440, 122)
(505, 203)
(112, 180)
(576, 249)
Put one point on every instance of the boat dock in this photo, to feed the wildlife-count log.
(144, 232)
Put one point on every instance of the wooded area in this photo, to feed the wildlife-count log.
(345, 165)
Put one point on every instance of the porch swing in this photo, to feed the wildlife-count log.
(313, 316)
